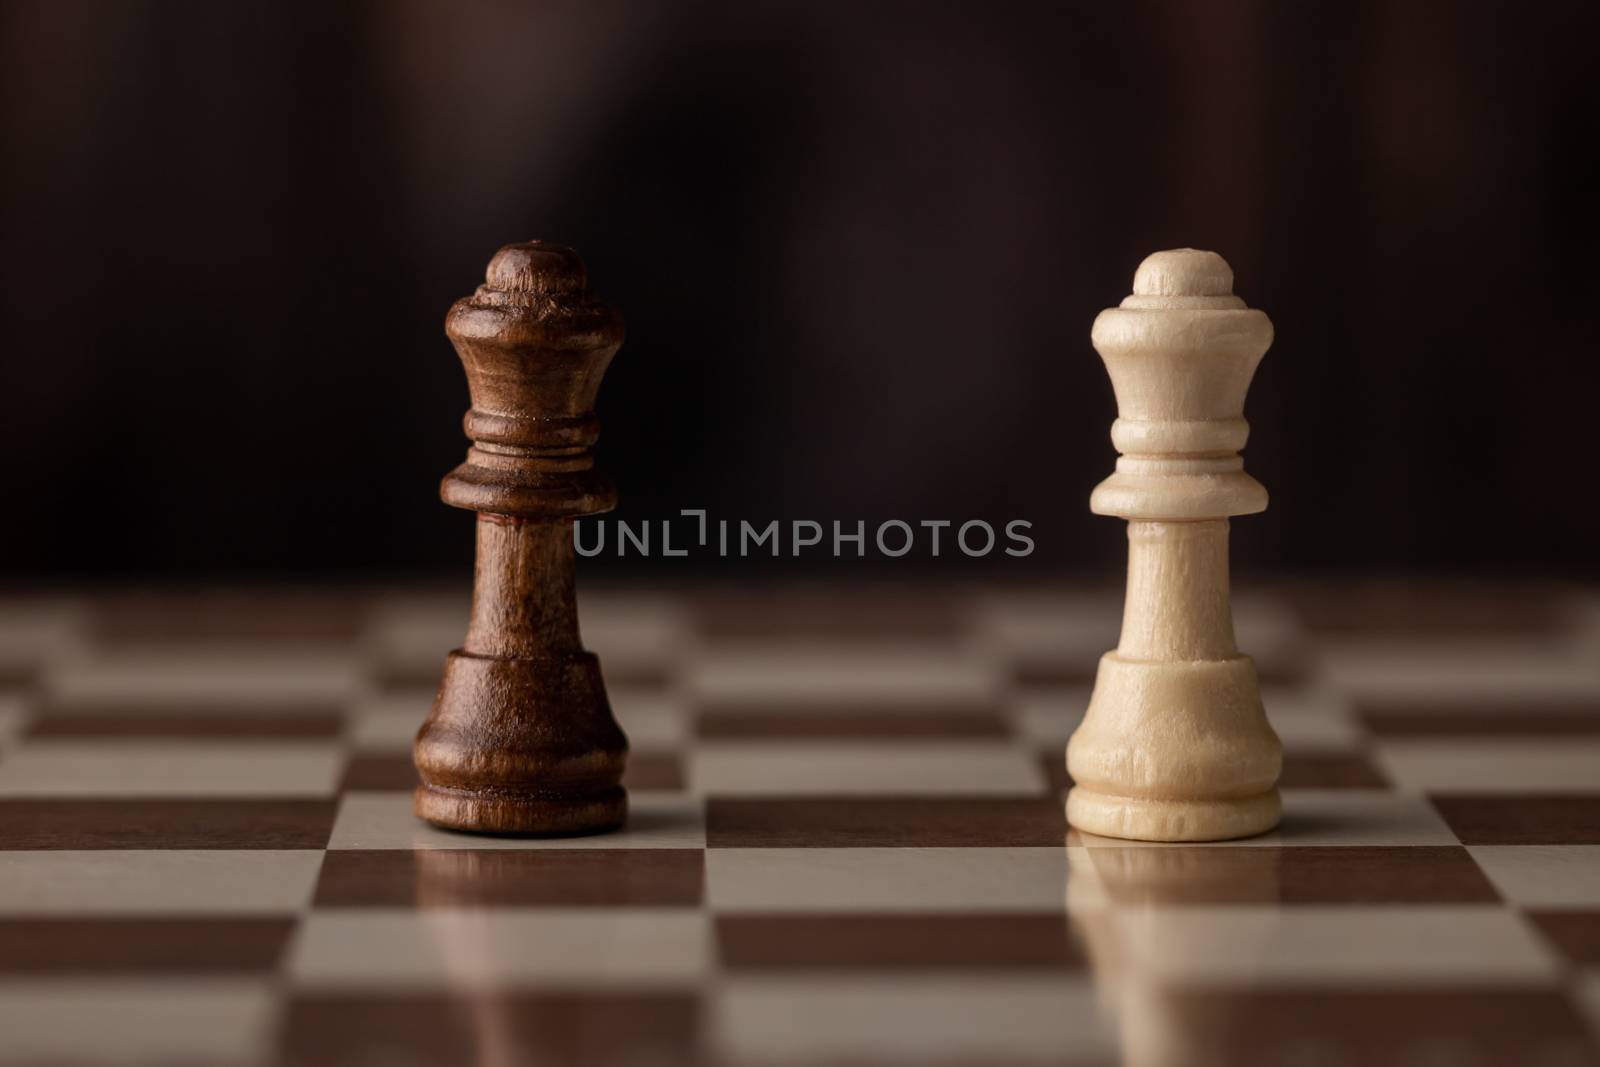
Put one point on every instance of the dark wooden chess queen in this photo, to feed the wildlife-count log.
(521, 738)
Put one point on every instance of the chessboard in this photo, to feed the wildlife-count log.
(846, 842)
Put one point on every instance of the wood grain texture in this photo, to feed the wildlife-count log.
(521, 738)
(1175, 745)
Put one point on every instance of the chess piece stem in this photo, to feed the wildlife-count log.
(521, 738)
(1175, 745)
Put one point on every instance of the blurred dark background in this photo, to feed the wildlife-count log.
(859, 248)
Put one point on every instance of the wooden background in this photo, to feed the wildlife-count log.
(859, 249)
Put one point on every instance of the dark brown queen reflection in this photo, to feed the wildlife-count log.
(521, 738)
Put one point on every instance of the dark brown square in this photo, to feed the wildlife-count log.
(17, 674)
(1392, 1027)
(1330, 770)
(1494, 819)
(1054, 762)
(896, 942)
(388, 771)
(106, 945)
(1213, 875)
(809, 615)
(1433, 609)
(166, 824)
(550, 1029)
(884, 822)
(421, 675)
(1576, 934)
(512, 878)
(1400, 720)
(637, 674)
(220, 724)
(256, 616)
(1290, 668)
(879, 723)
(654, 771)
(1033, 673)
(645, 770)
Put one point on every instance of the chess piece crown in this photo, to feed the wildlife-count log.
(535, 343)
(1181, 352)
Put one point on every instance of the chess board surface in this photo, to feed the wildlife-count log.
(846, 844)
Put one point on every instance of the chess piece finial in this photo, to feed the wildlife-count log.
(1184, 272)
(1175, 745)
(521, 738)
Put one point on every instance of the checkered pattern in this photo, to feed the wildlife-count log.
(846, 842)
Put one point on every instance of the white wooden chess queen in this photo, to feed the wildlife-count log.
(1175, 745)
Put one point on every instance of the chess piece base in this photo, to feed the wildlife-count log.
(1144, 819)
(1205, 763)
(509, 813)
(521, 745)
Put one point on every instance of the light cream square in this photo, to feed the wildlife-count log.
(885, 879)
(244, 678)
(1054, 627)
(388, 722)
(156, 1021)
(448, 949)
(1493, 764)
(916, 1019)
(1459, 671)
(1543, 876)
(151, 882)
(1047, 717)
(99, 768)
(1333, 945)
(935, 674)
(879, 768)
(1312, 720)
